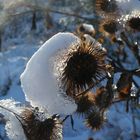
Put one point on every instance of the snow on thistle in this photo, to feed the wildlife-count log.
(85, 29)
(50, 73)
(27, 123)
(62, 68)
(85, 66)
(59, 76)
(13, 126)
(40, 80)
(37, 127)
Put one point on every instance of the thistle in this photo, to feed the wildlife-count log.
(107, 8)
(95, 119)
(131, 22)
(85, 104)
(85, 29)
(124, 85)
(109, 27)
(37, 129)
(84, 67)
(134, 23)
(102, 99)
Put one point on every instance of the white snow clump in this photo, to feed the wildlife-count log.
(13, 127)
(41, 79)
(88, 27)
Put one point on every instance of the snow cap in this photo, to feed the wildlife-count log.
(40, 80)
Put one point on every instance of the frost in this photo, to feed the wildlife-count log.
(13, 127)
(40, 80)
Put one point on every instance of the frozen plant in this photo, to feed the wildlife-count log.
(40, 80)
(29, 123)
(75, 73)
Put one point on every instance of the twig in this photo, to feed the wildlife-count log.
(118, 67)
(71, 14)
(16, 115)
(65, 118)
(118, 100)
(135, 83)
(132, 47)
(134, 125)
(36, 8)
(72, 123)
(82, 93)
(127, 104)
(10, 111)
(138, 95)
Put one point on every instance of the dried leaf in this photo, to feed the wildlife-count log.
(102, 98)
(124, 85)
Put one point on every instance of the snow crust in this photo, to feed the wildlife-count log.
(40, 79)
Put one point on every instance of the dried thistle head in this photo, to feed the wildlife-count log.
(107, 8)
(37, 129)
(84, 103)
(84, 67)
(85, 29)
(131, 22)
(102, 99)
(108, 27)
(134, 23)
(124, 85)
(95, 119)
(118, 41)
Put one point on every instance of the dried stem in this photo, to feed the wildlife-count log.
(42, 9)
(84, 92)
(132, 46)
(65, 119)
(10, 111)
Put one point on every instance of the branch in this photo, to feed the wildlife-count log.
(65, 119)
(84, 92)
(118, 67)
(10, 111)
(132, 47)
(18, 117)
(36, 8)
(71, 14)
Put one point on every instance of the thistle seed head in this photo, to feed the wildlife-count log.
(36, 129)
(109, 27)
(107, 8)
(134, 23)
(102, 98)
(85, 103)
(84, 67)
(95, 119)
